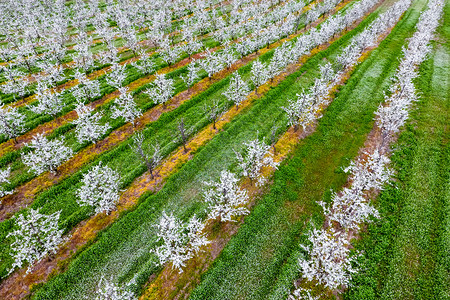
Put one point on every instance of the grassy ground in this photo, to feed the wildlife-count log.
(260, 261)
(407, 251)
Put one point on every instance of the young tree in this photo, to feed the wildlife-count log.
(150, 162)
(214, 112)
(48, 103)
(260, 74)
(117, 76)
(110, 55)
(100, 189)
(16, 82)
(88, 124)
(36, 236)
(329, 260)
(225, 198)
(12, 123)
(4, 174)
(300, 112)
(52, 73)
(146, 64)
(237, 91)
(47, 155)
(192, 74)
(228, 57)
(86, 89)
(273, 138)
(125, 107)
(181, 241)
(170, 54)
(162, 89)
(192, 46)
(83, 57)
(211, 64)
(108, 290)
(256, 156)
(182, 134)
(350, 207)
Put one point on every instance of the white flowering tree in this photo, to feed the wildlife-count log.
(4, 175)
(12, 123)
(146, 64)
(162, 90)
(237, 90)
(191, 75)
(17, 84)
(36, 236)
(301, 111)
(46, 155)
(180, 241)
(108, 290)
(117, 76)
(150, 161)
(255, 157)
(329, 261)
(225, 198)
(260, 74)
(125, 107)
(83, 58)
(211, 64)
(48, 103)
(100, 189)
(86, 89)
(88, 124)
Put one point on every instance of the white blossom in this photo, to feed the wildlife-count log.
(255, 157)
(108, 290)
(180, 241)
(162, 90)
(100, 189)
(125, 107)
(260, 73)
(302, 294)
(86, 89)
(46, 155)
(88, 124)
(146, 64)
(12, 123)
(329, 260)
(4, 174)
(37, 236)
(237, 90)
(48, 103)
(117, 76)
(225, 198)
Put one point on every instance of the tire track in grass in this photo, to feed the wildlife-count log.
(24, 194)
(87, 230)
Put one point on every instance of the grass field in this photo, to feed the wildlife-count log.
(401, 254)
